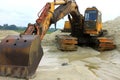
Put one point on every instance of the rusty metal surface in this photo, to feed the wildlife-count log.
(44, 13)
(104, 44)
(30, 29)
(20, 56)
(66, 43)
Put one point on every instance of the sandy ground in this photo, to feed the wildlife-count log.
(83, 64)
(4, 33)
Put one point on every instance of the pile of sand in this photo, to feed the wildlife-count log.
(49, 39)
(113, 28)
(4, 33)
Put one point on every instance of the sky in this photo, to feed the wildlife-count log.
(22, 12)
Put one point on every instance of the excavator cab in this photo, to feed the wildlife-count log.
(93, 27)
(92, 21)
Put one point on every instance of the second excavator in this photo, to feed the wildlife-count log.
(21, 54)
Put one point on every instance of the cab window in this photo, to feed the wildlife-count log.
(90, 15)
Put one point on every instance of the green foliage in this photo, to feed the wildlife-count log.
(12, 27)
(51, 30)
(20, 29)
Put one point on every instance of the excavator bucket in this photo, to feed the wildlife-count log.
(20, 55)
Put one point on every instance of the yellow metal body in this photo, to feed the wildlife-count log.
(67, 25)
(91, 32)
(60, 2)
(94, 31)
(98, 23)
(46, 22)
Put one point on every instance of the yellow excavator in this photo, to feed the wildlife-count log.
(85, 30)
(21, 54)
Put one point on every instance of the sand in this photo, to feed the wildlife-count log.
(83, 64)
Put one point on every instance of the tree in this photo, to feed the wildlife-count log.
(13, 27)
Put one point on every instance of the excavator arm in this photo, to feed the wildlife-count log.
(21, 54)
(50, 15)
(65, 9)
(42, 23)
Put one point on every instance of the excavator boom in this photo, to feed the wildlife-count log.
(21, 54)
